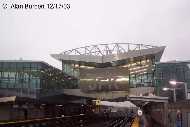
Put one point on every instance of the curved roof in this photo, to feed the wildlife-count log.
(103, 53)
(106, 49)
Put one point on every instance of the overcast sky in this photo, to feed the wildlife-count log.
(34, 34)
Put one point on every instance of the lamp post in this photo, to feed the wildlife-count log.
(174, 83)
(174, 92)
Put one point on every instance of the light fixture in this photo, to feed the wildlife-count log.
(173, 82)
(165, 89)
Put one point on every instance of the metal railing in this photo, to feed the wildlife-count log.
(121, 122)
(63, 121)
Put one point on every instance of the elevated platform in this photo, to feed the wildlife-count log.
(110, 94)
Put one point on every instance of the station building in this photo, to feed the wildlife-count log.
(111, 70)
(29, 89)
(105, 71)
(32, 79)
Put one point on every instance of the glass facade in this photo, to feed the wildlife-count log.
(31, 79)
(112, 70)
(21, 78)
(71, 69)
(117, 76)
(179, 71)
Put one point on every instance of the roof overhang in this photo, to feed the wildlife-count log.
(156, 51)
(149, 98)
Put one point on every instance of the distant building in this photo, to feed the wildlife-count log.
(172, 70)
(111, 70)
(32, 79)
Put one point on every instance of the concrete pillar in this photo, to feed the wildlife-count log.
(165, 114)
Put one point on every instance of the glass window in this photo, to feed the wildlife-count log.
(1, 66)
(35, 83)
(12, 74)
(13, 66)
(27, 67)
(19, 66)
(6, 66)
(6, 74)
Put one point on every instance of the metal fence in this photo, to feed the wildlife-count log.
(63, 121)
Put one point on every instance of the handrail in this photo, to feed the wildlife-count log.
(42, 120)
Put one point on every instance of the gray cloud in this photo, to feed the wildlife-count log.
(36, 34)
